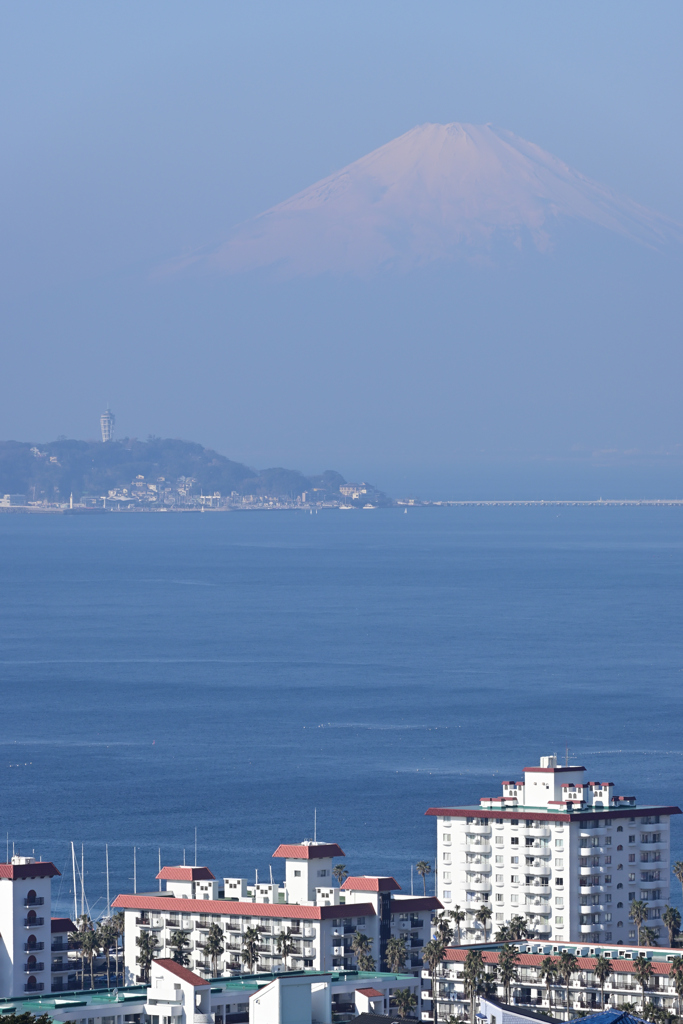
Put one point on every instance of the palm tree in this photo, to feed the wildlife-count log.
(444, 932)
(677, 870)
(89, 950)
(396, 954)
(519, 929)
(547, 972)
(432, 954)
(677, 975)
(643, 970)
(146, 943)
(567, 964)
(118, 927)
(105, 940)
(405, 1001)
(508, 958)
(179, 943)
(285, 945)
(473, 975)
(638, 913)
(503, 933)
(250, 953)
(340, 873)
(75, 943)
(483, 916)
(648, 937)
(361, 946)
(602, 970)
(213, 947)
(423, 869)
(672, 919)
(458, 917)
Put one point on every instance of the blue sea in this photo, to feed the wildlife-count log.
(236, 672)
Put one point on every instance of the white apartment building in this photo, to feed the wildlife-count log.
(529, 989)
(28, 933)
(566, 854)
(322, 918)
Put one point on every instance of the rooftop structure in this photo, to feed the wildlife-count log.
(567, 855)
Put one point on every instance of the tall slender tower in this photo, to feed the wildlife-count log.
(107, 421)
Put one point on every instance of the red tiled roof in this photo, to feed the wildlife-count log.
(298, 851)
(585, 963)
(371, 992)
(184, 874)
(234, 907)
(586, 812)
(39, 869)
(62, 924)
(400, 906)
(181, 972)
(370, 883)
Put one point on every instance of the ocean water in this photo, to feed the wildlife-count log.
(235, 672)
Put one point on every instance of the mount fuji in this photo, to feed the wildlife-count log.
(437, 193)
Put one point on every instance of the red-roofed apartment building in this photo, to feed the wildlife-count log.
(27, 930)
(566, 854)
(320, 917)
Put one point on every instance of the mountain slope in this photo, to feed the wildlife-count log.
(437, 192)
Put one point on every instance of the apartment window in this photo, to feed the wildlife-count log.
(446, 858)
(499, 859)
(445, 876)
(607, 841)
(595, 862)
(514, 879)
(620, 885)
(514, 860)
(608, 917)
(620, 828)
(361, 921)
(608, 879)
(514, 898)
(608, 936)
(323, 873)
(631, 839)
(446, 821)
(515, 840)
(632, 933)
(559, 881)
(500, 917)
(559, 862)
(499, 879)
(446, 837)
(499, 897)
(608, 897)
(632, 876)
(559, 901)
(608, 860)
(559, 921)
(514, 821)
(631, 895)
(297, 874)
(500, 840)
(447, 894)
(631, 858)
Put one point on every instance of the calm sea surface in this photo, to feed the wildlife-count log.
(232, 672)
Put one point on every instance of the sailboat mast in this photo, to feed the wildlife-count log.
(106, 853)
(73, 866)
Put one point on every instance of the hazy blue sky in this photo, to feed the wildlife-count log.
(136, 131)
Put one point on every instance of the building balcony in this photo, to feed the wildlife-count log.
(543, 927)
(540, 849)
(542, 831)
(587, 928)
(36, 901)
(537, 868)
(479, 884)
(33, 968)
(66, 967)
(36, 986)
(479, 830)
(33, 922)
(32, 947)
(477, 847)
(537, 889)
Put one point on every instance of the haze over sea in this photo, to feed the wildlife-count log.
(235, 671)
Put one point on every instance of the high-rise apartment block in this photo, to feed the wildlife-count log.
(566, 854)
(107, 421)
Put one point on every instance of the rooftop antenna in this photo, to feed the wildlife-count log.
(159, 868)
(73, 867)
(271, 874)
(315, 824)
(183, 857)
(135, 870)
(106, 854)
(195, 846)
